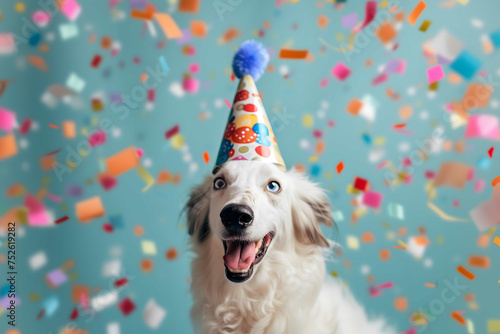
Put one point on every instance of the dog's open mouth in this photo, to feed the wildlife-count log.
(241, 256)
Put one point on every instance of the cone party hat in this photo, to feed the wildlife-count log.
(248, 134)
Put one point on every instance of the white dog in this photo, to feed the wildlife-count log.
(259, 265)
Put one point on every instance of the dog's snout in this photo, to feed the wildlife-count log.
(236, 216)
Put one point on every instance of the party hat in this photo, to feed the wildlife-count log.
(248, 134)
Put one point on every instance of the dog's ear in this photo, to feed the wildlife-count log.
(310, 207)
(197, 209)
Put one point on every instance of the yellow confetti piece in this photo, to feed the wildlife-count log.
(308, 120)
(146, 177)
(20, 7)
(344, 48)
(494, 326)
(177, 141)
(491, 231)
(402, 244)
(444, 215)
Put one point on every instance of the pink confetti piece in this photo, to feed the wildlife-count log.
(435, 74)
(227, 103)
(54, 197)
(380, 79)
(341, 71)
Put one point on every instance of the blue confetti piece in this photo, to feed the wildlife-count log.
(35, 39)
(4, 290)
(484, 163)
(315, 170)
(163, 64)
(367, 139)
(466, 65)
(117, 221)
(50, 305)
(495, 38)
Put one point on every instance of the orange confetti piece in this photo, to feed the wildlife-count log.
(38, 62)
(340, 167)
(430, 285)
(147, 265)
(122, 161)
(189, 6)
(495, 181)
(478, 261)
(384, 254)
(458, 318)
(367, 237)
(400, 126)
(401, 304)
(320, 147)
(138, 230)
(229, 35)
(354, 106)
(168, 25)
(146, 15)
(399, 247)
(172, 254)
(206, 157)
(465, 273)
(164, 176)
(497, 241)
(89, 209)
(53, 126)
(293, 54)
(8, 146)
(413, 17)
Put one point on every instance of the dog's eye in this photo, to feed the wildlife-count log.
(273, 186)
(219, 183)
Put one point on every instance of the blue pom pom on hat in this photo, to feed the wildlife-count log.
(251, 59)
(248, 134)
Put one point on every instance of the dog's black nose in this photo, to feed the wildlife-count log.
(236, 216)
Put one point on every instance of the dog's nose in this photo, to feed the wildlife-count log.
(236, 216)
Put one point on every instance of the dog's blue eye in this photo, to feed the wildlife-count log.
(219, 183)
(273, 186)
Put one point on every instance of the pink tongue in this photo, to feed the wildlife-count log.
(239, 256)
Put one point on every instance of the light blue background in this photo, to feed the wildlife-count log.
(158, 209)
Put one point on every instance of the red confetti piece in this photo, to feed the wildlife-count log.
(53, 126)
(25, 126)
(42, 312)
(54, 152)
(127, 306)
(399, 126)
(172, 132)
(206, 157)
(107, 227)
(60, 220)
(120, 282)
(74, 314)
(96, 61)
(370, 11)
(490, 152)
(340, 167)
(399, 247)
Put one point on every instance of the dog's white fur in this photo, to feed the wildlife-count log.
(289, 291)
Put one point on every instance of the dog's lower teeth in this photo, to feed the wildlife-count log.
(236, 271)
